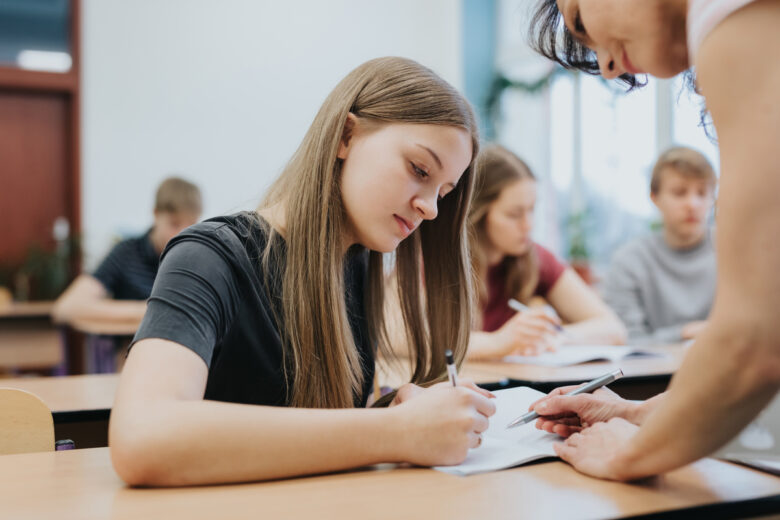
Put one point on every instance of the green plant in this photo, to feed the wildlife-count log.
(577, 232)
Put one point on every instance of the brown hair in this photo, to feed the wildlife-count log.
(687, 162)
(320, 351)
(175, 195)
(498, 169)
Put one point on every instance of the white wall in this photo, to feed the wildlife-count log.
(221, 92)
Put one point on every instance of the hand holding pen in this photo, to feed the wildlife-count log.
(544, 409)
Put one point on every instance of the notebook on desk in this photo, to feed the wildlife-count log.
(502, 448)
(568, 355)
(758, 444)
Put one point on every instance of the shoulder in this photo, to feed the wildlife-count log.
(130, 245)
(546, 257)
(704, 15)
(636, 248)
(241, 233)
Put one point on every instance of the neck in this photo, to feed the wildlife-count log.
(157, 242)
(493, 256)
(676, 241)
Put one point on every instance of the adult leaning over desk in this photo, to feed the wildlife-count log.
(733, 370)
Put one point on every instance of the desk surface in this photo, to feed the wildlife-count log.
(40, 309)
(632, 368)
(105, 328)
(82, 484)
(70, 394)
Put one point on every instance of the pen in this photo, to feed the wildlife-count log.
(519, 307)
(584, 389)
(452, 372)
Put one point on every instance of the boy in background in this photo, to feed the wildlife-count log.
(118, 289)
(662, 285)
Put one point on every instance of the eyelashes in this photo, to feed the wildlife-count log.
(422, 175)
(419, 172)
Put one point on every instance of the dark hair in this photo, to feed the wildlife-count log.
(550, 37)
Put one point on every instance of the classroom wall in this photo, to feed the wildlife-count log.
(222, 92)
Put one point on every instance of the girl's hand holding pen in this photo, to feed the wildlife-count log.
(438, 425)
(528, 333)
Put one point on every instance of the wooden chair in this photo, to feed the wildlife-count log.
(26, 423)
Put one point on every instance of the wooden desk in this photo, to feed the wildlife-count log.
(81, 484)
(80, 405)
(28, 338)
(40, 309)
(643, 377)
(105, 328)
(105, 343)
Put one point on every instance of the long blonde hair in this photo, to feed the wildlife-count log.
(319, 350)
(498, 169)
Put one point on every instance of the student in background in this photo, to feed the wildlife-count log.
(508, 264)
(256, 353)
(662, 285)
(118, 289)
(732, 370)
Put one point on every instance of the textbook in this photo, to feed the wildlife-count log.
(568, 355)
(502, 448)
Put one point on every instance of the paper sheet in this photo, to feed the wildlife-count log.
(575, 354)
(502, 448)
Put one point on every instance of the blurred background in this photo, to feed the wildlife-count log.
(102, 99)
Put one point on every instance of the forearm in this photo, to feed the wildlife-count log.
(708, 402)
(130, 311)
(204, 442)
(597, 330)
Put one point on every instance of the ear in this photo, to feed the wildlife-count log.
(350, 125)
(654, 198)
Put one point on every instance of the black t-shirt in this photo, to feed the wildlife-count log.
(129, 269)
(210, 296)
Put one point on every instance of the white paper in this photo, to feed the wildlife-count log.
(575, 354)
(504, 448)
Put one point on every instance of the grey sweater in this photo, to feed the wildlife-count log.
(656, 290)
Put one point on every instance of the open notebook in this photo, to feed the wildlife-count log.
(575, 354)
(502, 448)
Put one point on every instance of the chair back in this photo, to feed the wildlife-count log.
(26, 423)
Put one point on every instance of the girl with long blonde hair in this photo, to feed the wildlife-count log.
(508, 264)
(258, 345)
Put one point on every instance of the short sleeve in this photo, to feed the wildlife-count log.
(550, 269)
(194, 299)
(109, 272)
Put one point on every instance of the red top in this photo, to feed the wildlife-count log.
(497, 312)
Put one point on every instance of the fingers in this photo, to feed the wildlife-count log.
(561, 404)
(475, 440)
(471, 385)
(558, 391)
(408, 391)
(485, 406)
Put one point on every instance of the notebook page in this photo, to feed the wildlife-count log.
(575, 354)
(502, 448)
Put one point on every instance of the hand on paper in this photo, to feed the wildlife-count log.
(595, 450)
(528, 334)
(410, 390)
(440, 423)
(568, 414)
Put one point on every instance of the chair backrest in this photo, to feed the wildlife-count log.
(26, 423)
